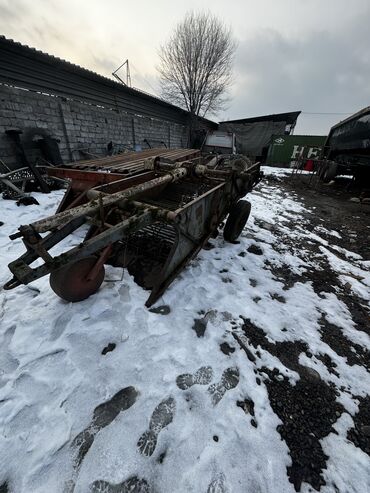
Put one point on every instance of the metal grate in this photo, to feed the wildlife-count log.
(145, 252)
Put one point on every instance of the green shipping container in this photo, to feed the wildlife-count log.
(286, 148)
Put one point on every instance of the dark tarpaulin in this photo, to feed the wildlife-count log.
(253, 135)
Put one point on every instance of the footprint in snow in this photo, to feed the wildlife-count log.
(229, 380)
(7, 362)
(130, 485)
(60, 325)
(103, 415)
(202, 376)
(161, 417)
(217, 485)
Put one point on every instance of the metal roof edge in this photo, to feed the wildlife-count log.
(256, 119)
(91, 73)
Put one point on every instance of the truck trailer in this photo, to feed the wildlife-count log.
(347, 148)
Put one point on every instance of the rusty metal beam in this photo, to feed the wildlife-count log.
(92, 207)
(25, 274)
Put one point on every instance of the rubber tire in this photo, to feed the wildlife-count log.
(70, 282)
(329, 173)
(237, 219)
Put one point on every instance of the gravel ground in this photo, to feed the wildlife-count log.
(309, 408)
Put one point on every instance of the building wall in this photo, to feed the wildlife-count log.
(286, 148)
(77, 126)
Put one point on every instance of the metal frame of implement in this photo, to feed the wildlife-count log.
(165, 221)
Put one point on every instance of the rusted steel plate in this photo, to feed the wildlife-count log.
(83, 179)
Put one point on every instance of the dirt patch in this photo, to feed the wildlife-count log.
(287, 352)
(359, 312)
(360, 434)
(308, 410)
(334, 210)
(283, 274)
(247, 405)
(335, 224)
(110, 347)
(334, 337)
(257, 250)
(200, 325)
(226, 348)
(328, 362)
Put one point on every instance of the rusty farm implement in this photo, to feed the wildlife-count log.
(151, 223)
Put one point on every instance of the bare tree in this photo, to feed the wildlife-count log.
(196, 64)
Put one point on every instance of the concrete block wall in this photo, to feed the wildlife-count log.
(77, 126)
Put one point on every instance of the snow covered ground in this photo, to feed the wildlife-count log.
(232, 385)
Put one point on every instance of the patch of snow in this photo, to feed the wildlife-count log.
(54, 375)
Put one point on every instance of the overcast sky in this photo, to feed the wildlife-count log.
(309, 55)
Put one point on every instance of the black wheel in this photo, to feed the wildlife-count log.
(238, 216)
(329, 172)
(72, 283)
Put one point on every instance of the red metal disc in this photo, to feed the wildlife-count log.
(73, 283)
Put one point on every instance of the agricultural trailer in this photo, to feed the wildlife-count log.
(153, 227)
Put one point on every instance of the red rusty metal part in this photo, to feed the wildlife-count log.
(77, 281)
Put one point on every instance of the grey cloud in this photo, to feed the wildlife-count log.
(106, 64)
(325, 70)
(12, 10)
(321, 72)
